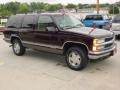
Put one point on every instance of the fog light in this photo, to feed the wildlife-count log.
(94, 48)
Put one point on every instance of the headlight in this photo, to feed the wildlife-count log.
(96, 45)
(98, 41)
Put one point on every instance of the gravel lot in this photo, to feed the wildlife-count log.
(44, 71)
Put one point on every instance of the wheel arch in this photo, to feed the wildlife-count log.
(14, 37)
(70, 44)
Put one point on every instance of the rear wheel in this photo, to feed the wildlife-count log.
(101, 27)
(76, 58)
(18, 48)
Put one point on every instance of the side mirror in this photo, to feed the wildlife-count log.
(51, 29)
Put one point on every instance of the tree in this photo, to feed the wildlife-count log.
(53, 7)
(33, 6)
(12, 7)
(80, 6)
(113, 9)
(23, 8)
(5, 13)
(37, 6)
(71, 6)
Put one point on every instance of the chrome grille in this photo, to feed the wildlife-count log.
(108, 39)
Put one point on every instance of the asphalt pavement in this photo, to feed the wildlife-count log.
(45, 71)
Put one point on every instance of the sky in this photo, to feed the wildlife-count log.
(63, 1)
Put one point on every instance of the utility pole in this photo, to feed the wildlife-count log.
(97, 7)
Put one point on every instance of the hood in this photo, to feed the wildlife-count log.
(97, 33)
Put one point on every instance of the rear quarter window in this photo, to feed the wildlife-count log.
(15, 21)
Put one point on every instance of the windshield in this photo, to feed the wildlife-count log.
(67, 21)
(106, 17)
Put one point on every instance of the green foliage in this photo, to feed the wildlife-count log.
(16, 7)
(23, 8)
(53, 7)
(71, 6)
(12, 7)
(80, 6)
(37, 6)
(113, 9)
(5, 13)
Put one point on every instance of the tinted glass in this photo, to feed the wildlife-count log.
(15, 21)
(116, 19)
(29, 21)
(94, 17)
(43, 22)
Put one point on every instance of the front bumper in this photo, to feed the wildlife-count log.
(103, 54)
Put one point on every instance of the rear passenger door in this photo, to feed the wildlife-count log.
(29, 25)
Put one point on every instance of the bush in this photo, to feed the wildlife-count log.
(113, 9)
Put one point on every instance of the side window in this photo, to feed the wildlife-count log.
(10, 23)
(43, 22)
(89, 17)
(94, 17)
(98, 17)
(29, 21)
(15, 21)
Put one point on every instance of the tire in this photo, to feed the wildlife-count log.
(18, 48)
(76, 58)
(101, 27)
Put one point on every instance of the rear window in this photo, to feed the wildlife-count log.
(15, 21)
(116, 19)
(94, 17)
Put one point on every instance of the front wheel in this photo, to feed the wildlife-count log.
(18, 48)
(76, 58)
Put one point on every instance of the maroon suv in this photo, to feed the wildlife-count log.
(61, 34)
